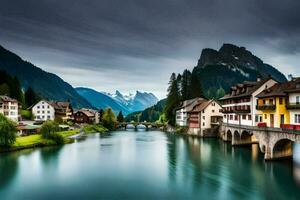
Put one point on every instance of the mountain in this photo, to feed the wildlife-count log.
(45, 84)
(101, 100)
(150, 114)
(218, 70)
(118, 101)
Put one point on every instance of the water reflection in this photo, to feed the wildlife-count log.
(146, 165)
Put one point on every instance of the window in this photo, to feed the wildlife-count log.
(203, 117)
(213, 111)
(225, 116)
(48, 116)
(48, 106)
(235, 117)
(264, 102)
(43, 106)
(297, 118)
(244, 116)
(38, 111)
(203, 123)
(38, 106)
(249, 117)
(297, 99)
(280, 101)
(231, 117)
(271, 101)
(266, 116)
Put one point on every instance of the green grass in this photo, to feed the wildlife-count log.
(94, 129)
(38, 139)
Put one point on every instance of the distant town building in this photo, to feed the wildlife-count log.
(9, 107)
(204, 115)
(239, 106)
(49, 110)
(85, 116)
(185, 107)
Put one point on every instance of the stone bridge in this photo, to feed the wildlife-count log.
(275, 143)
(148, 125)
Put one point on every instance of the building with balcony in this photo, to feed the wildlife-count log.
(293, 104)
(239, 105)
(271, 106)
(9, 107)
(184, 108)
(203, 116)
(49, 110)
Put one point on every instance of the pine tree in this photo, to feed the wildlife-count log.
(30, 97)
(120, 117)
(186, 90)
(173, 99)
(196, 87)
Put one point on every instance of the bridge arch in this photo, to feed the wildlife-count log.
(236, 135)
(246, 136)
(282, 148)
(228, 136)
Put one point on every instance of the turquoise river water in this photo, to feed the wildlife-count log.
(146, 165)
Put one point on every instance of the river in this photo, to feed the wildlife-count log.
(146, 165)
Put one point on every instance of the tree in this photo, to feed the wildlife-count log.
(109, 119)
(196, 87)
(120, 117)
(186, 86)
(101, 112)
(49, 130)
(7, 131)
(173, 99)
(30, 97)
(4, 89)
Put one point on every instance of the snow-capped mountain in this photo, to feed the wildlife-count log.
(119, 102)
(135, 102)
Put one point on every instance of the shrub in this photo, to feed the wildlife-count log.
(7, 131)
(49, 131)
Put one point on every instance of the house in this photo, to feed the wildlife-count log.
(49, 110)
(293, 105)
(9, 107)
(271, 106)
(63, 110)
(204, 115)
(239, 106)
(84, 116)
(181, 112)
(280, 105)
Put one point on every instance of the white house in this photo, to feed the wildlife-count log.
(203, 117)
(9, 107)
(239, 106)
(181, 112)
(293, 105)
(43, 111)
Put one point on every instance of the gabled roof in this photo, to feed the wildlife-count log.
(4, 98)
(87, 113)
(251, 88)
(281, 89)
(189, 104)
(201, 106)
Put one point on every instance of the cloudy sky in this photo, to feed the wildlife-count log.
(136, 44)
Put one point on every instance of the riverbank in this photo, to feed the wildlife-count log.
(34, 141)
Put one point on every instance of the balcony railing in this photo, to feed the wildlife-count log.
(237, 110)
(292, 106)
(266, 107)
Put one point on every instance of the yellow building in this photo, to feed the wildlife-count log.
(271, 106)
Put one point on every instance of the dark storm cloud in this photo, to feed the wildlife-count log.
(138, 35)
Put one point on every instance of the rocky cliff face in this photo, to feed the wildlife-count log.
(217, 70)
